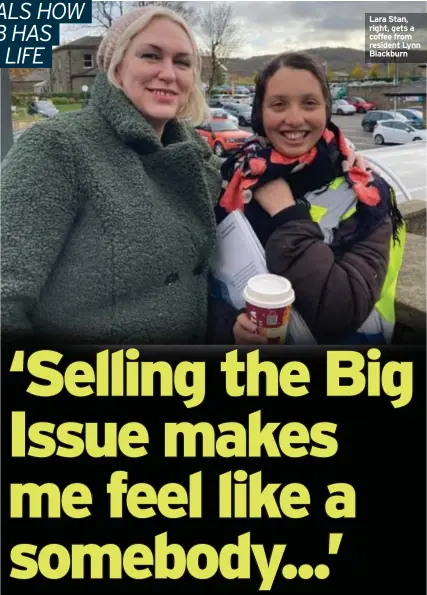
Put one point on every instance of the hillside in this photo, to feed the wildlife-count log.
(341, 59)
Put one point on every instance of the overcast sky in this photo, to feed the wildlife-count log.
(271, 27)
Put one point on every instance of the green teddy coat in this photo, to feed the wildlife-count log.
(107, 232)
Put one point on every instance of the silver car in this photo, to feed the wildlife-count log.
(43, 108)
(242, 111)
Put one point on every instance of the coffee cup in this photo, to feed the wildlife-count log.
(269, 300)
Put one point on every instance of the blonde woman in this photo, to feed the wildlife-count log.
(108, 214)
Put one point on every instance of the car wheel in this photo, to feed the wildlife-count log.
(379, 140)
(366, 127)
(360, 110)
(339, 112)
(242, 121)
(416, 138)
(218, 150)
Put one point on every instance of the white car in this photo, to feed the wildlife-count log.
(396, 132)
(217, 112)
(342, 107)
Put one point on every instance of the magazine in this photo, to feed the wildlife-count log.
(239, 256)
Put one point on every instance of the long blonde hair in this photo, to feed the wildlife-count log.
(118, 39)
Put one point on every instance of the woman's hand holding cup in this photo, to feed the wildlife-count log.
(269, 300)
(246, 332)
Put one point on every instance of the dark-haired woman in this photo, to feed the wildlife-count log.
(334, 231)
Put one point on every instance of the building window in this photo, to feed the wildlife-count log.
(87, 61)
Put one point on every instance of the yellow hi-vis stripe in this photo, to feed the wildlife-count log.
(348, 214)
(336, 183)
(317, 213)
(385, 305)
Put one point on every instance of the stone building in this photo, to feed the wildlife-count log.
(74, 65)
(35, 80)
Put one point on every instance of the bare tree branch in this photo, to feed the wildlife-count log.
(221, 36)
(105, 12)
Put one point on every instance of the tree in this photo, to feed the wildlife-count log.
(221, 36)
(105, 13)
(329, 73)
(374, 71)
(357, 73)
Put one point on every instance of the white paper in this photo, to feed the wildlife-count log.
(239, 256)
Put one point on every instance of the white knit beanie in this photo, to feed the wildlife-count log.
(125, 28)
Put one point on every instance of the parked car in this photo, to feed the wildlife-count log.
(414, 116)
(217, 100)
(242, 111)
(372, 117)
(341, 107)
(395, 132)
(337, 92)
(218, 112)
(241, 90)
(406, 163)
(42, 108)
(362, 106)
(222, 135)
(242, 99)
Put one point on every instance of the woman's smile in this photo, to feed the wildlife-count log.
(294, 137)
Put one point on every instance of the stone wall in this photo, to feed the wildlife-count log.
(411, 298)
(376, 94)
(61, 71)
(66, 64)
(78, 82)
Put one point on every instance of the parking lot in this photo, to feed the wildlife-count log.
(352, 129)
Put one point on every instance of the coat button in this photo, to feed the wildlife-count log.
(171, 279)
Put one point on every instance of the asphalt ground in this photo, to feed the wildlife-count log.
(352, 129)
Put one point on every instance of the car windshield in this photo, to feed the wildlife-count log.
(240, 107)
(341, 102)
(360, 99)
(217, 113)
(223, 125)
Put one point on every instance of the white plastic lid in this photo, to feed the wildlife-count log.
(269, 291)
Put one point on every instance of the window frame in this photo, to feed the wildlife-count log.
(84, 61)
